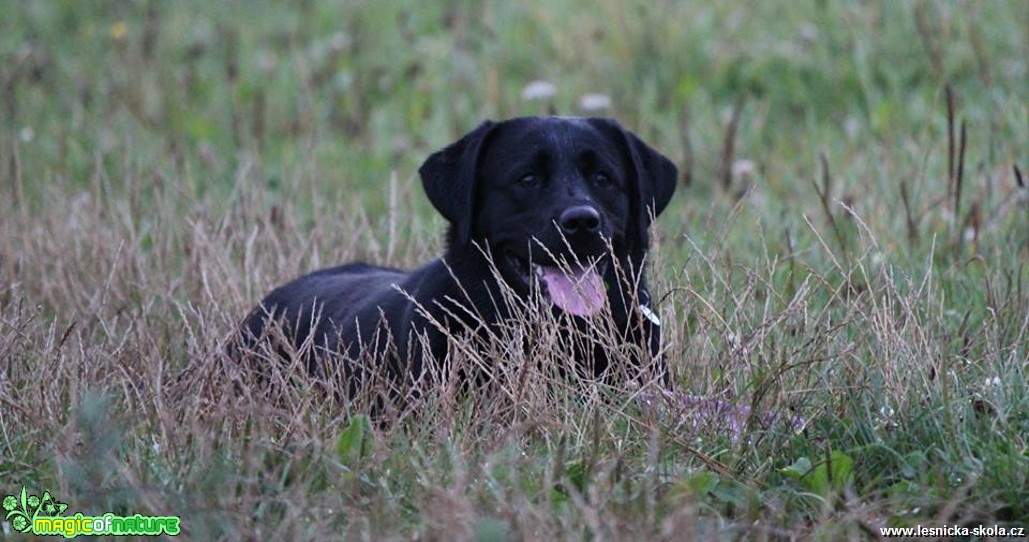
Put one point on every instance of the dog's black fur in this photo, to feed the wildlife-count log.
(549, 191)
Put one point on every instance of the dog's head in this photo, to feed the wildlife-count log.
(548, 197)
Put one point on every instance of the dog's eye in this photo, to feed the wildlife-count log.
(527, 180)
(602, 180)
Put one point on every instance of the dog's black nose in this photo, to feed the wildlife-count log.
(579, 219)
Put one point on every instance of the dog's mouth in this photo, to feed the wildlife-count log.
(575, 289)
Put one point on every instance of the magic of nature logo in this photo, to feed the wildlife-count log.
(44, 516)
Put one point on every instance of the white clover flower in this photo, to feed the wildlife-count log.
(595, 102)
(538, 90)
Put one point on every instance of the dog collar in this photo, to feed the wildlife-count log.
(645, 308)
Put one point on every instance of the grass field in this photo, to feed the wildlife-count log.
(849, 245)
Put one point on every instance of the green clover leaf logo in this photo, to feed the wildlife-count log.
(18, 510)
(23, 509)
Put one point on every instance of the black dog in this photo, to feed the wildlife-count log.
(558, 207)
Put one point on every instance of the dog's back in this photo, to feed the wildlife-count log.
(317, 306)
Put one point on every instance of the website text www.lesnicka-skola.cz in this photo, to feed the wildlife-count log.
(996, 531)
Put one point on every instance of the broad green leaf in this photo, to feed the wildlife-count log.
(831, 475)
(354, 442)
(798, 469)
(701, 483)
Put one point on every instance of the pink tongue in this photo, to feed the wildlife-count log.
(581, 294)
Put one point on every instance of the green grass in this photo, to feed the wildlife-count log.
(163, 165)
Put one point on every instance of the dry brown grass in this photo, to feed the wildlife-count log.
(162, 168)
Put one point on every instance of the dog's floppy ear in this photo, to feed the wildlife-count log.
(449, 178)
(654, 175)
